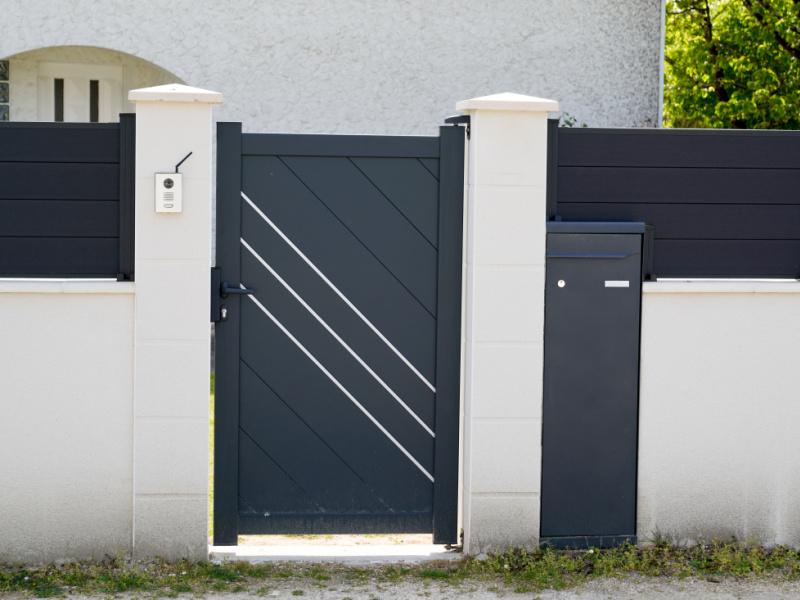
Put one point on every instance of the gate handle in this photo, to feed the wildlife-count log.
(225, 289)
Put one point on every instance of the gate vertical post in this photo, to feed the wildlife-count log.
(448, 334)
(504, 303)
(226, 399)
(171, 325)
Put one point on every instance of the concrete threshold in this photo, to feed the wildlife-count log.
(366, 554)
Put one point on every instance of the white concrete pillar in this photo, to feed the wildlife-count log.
(171, 326)
(505, 250)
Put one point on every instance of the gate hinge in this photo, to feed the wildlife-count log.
(457, 120)
(216, 301)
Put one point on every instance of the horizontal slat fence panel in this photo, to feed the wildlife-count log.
(60, 190)
(58, 257)
(59, 142)
(59, 218)
(728, 258)
(667, 148)
(723, 203)
(59, 181)
(647, 185)
(698, 221)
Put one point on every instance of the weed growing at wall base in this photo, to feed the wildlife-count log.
(518, 570)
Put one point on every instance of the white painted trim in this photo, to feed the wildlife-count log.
(66, 286)
(338, 292)
(336, 336)
(336, 382)
(722, 286)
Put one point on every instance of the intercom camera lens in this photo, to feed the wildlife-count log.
(168, 183)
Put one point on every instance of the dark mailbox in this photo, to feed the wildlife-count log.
(591, 381)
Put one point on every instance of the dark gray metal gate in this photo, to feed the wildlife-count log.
(338, 348)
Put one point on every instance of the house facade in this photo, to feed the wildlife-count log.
(343, 67)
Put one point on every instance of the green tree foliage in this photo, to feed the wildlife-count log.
(732, 63)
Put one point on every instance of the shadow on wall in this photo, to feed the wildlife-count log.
(74, 84)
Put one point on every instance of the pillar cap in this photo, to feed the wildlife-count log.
(174, 92)
(508, 101)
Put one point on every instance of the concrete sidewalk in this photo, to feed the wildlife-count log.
(367, 554)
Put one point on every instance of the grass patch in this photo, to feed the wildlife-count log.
(434, 574)
(556, 569)
(517, 570)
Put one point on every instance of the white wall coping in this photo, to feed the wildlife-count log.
(508, 101)
(174, 92)
(65, 286)
(722, 286)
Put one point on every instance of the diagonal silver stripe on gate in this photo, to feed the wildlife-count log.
(336, 382)
(336, 336)
(338, 292)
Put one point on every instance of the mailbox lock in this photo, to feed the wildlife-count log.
(561, 283)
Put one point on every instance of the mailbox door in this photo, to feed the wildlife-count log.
(591, 389)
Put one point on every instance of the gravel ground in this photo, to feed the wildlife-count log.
(639, 589)
(616, 589)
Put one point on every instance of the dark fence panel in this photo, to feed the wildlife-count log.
(66, 199)
(59, 142)
(58, 257)
(723, 203)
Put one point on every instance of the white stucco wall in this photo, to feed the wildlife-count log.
(361, 66)
(66, 366)
(719, 450)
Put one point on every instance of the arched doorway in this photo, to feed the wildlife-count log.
(73, 84)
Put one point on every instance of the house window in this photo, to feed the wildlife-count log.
(5, 99)
(79, 92)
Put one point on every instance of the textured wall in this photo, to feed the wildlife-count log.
(362, 66)
(66, 459)
(718, 445)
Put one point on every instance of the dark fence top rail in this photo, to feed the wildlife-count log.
(340, 145)
(723, 203)
(50, 125)
(662, 148)
(59, 142)
(678, 131)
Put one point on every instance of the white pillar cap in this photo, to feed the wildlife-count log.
(508, 101)
(174, 92)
